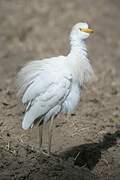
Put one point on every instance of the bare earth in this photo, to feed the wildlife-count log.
(87, 143)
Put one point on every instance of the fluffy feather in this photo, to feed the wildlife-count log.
(51, 86)
(41, 89)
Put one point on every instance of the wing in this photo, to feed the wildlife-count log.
(35, 69)
(45, 87)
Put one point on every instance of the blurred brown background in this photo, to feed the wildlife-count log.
(35, 29)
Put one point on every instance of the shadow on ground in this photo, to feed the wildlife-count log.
(74, 164)
(88, 155)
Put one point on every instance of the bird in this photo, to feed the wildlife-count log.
(51, 86)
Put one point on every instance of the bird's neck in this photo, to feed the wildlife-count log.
(78, 61)
(78, 50)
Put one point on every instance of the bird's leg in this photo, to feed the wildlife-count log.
(50, 135)
(40, 137)
(41, 129)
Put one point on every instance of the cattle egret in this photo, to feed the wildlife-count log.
(53, 85)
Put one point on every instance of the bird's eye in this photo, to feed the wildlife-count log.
(80, 29)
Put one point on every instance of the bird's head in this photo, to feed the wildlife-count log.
(80, 31)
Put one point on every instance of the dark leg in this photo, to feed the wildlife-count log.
(40, 137)
(50, 135)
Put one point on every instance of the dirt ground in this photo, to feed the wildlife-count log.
(87, 144)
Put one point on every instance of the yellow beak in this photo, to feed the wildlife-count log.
(87, 30)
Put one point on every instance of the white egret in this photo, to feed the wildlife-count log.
(53, 85)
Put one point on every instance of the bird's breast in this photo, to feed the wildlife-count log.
(72, 99)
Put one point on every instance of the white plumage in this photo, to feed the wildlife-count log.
(53, 85)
